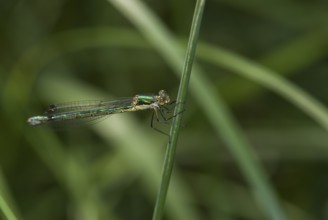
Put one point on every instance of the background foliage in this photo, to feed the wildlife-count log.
(57, 51)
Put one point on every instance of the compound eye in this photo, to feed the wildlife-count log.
(163, 98)
(162, 93)
(135, 100)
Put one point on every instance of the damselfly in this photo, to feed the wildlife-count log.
(88, 110)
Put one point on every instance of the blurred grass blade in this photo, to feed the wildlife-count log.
(5, 208)
(288, 59)
(181, 99)
(269, 79)
(154, 31)
(68, 171)
(231, 133)
(7, 212)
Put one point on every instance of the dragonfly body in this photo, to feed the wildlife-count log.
(84, 110)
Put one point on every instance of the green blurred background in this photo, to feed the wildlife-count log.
(58, 51)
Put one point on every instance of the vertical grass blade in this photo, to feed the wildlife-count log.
(181, 99)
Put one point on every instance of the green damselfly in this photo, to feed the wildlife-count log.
(90, 110)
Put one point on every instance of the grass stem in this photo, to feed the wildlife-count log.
(181, 99)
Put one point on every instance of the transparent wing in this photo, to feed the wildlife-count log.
(83, 112)
(76, 106)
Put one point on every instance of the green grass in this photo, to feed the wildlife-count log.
(178, 112)
(5, 207)
(69, 163)
(86, 43)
